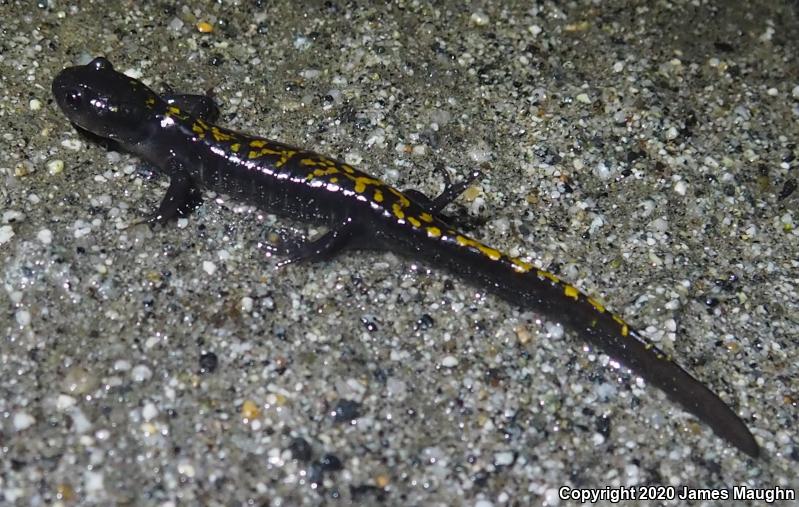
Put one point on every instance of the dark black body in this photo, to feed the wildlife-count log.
(175, 133)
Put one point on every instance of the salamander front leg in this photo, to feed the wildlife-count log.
(322, 248)
(181, 197)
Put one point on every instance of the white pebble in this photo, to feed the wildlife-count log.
(773, 92)
(483, 503)
(672, 133)
(503, 458)
(23, 421)
(65, 401)
(795, 92)
(12, 216)
(246, 304)
(149, 411)
(209, 267)
(121, 365)
(618, 66)
(681, 187)
(35, 104)
(6, 233)
(93, 482)
(141, 373)
(449, 362)
(72, 144)
(584, 98)
(45, 236)
(479, 18)
(535, 30)
(23, 317)
(55, 166)
(175, 24)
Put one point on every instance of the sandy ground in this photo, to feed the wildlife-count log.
(646, 152)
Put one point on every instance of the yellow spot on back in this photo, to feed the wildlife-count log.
(596, 304)
(235, 147)
(219, 135)
(521, 266)
(489, 252)
(549, 276)
(378, 197)
(334, 180)
(571, 292)
(414, 222)
(426, 217)
(257, 143)
(433, 232)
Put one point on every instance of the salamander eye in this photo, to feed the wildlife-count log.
(101, 63)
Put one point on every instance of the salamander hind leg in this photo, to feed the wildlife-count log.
(322, 248)
(450, 193)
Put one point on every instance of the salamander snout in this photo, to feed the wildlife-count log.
(107, 103)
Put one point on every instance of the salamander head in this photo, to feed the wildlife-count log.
(105, 102)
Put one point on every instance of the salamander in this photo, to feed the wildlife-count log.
(177, 134)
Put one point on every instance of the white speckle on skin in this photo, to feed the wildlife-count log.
(22, 421)
(209, 267)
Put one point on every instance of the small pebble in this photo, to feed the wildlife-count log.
(681, 187)
(503, 458)
(55, 166)
(23, 421)
(35, 104)
(672, 133)
(6, 233)
(449, 362)
(584, 98)
(300, 449)
(23, 317)
(141, 373)
(72, 144)
(149, 411)
(479, 18)
(209, 267)
(205, 27)
(45, 236)
(346, 411)
(208, 362)
(249, 411)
